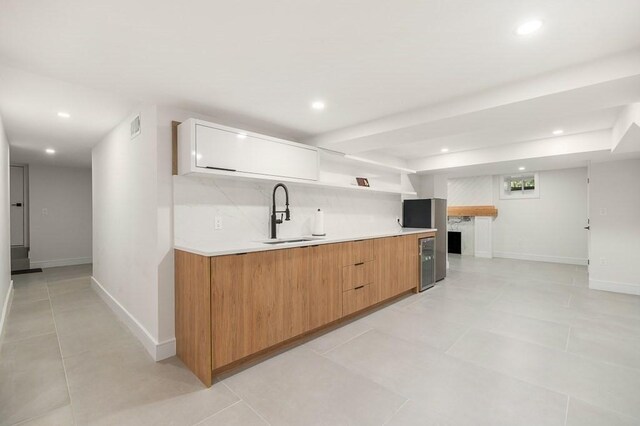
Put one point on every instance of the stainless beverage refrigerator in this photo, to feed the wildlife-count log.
(429, 213)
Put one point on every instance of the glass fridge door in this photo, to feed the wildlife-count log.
(427, 263)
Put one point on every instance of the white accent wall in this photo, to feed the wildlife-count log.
(5, 226)
(59, 216)
(548, 228)
(614, 209)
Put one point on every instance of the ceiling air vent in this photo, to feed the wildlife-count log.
(135, 126)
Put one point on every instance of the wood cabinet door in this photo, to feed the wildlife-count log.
(325, 289)
(411, 272)
(230, 309)
(297, 286)
(389, 261)
(266, 274)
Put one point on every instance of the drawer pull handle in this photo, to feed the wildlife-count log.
(359, 263)
(359, 287)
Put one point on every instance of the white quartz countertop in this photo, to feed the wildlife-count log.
(214, 248)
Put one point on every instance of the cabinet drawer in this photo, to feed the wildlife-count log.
(358, 299)
(361, 251)
(356, 275)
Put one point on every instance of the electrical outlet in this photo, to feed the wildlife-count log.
(218, 223)
(603, 212)
(45, 212)
(603, 261)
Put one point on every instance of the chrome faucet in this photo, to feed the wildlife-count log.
(274, 220)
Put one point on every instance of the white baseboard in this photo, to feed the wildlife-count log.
(5, 308)
(60, 262)
(539, 258)
(157, 350)
(484, 254)
(626, 288)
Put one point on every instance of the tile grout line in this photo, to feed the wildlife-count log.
(64, 367)
(396, 412)
(458, 339)
(218, 412)
(246, 402)
(346, 341)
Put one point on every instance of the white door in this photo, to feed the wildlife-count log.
(17, 205)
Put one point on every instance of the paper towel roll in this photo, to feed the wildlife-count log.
(318, 228)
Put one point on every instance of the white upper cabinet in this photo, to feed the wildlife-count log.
(205, 147)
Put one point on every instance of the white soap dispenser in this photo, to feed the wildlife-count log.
(318, 229)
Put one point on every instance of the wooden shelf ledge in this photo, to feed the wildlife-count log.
(472, 211)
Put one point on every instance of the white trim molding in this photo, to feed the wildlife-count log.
(5, 308)
(60, 262)
(157, 350)
(541, 258)
(615, 287)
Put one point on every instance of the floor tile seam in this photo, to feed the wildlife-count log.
(64, 367)
(469, 328)
(369, 379)
(566, 412)
(396, 411)
(595, 404)
(509, 336)
(518, 379)
(605, 362)
(218, 412)
(611, 410)
(566, 346)
(246, 402)
(525, 317)
(24, 339)
(22, 422)
(584, 357)
(573, 310)
(349, 340)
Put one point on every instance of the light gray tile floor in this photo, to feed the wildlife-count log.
(499, 342)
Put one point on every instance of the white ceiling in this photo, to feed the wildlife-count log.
(263, 62)
(29, 105)
(506, 132)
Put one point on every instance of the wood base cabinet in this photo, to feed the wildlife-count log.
(231, 307)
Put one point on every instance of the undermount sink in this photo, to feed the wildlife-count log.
(290, 240)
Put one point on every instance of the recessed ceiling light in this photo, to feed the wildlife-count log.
(241, 135)
(521, 168)
(558, 132)
(529, 27)
(444, 150)
(63, 114)
(50, 151)
(318, 105)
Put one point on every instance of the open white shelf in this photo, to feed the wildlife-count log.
(354, 159)
(248, 176)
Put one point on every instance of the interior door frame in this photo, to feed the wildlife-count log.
(25, 198)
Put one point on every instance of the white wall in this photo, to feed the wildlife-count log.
(5, 226)
(59, 215)
(125, 226)
(244, 208)
(549, 228)
(614, 210)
